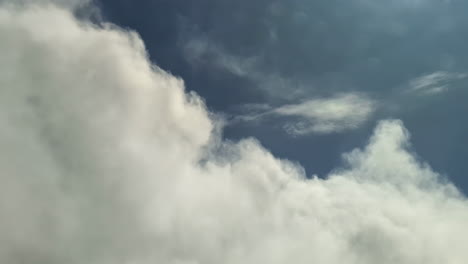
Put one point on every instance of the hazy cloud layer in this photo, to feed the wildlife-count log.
(106, 159)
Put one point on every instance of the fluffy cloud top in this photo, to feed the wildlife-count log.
(105, 159)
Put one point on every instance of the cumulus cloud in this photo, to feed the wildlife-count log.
(106, 159)
(436, 82)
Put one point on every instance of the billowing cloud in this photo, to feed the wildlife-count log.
(106, 159)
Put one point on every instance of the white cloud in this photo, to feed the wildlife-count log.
(334, 114)
(105, 159)
(436, 82)
(70, 4)
(327, 115)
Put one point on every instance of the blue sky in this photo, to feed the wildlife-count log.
(251, 60)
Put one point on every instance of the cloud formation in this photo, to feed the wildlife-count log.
(69, 4)
(106, 159)
(335, 114)
(329, 115)
(435, 82)
(202, 52)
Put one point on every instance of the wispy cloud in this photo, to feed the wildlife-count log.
(199, 51)
(202, 51)
(436, 82)
(319, 115)
(327, 115)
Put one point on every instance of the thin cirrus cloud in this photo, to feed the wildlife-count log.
(106, 159)
(203, 52)
(330, 115)
(335, 114)
(436, 82)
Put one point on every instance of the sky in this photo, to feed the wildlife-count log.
(138, 132)
(404, 59)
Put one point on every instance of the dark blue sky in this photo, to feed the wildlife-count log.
(408, 57)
